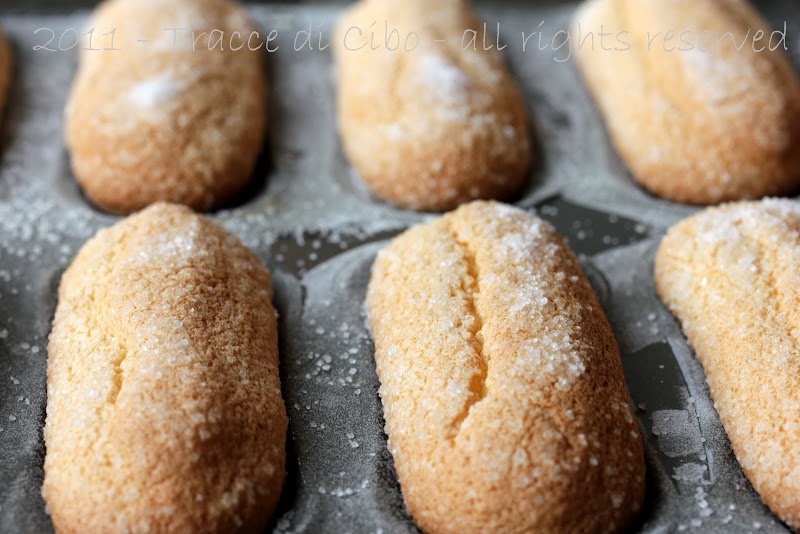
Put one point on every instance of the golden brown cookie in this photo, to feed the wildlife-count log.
(694, 126)
(430, 126)
(171, 115)
(502, 386)
(164, 408)
(730, 275)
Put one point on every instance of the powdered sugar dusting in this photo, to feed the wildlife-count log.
(722, 79)
(677, 432)
(156, 92)
(444, 81)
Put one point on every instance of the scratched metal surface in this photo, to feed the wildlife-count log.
(313, 223)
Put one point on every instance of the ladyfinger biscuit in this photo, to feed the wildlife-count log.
(731, 275)
(174, 113)
(502, 386)
(164, 408)
(428, 126)
(6, 65)
(697, 118)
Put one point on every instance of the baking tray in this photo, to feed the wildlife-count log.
(311, 220)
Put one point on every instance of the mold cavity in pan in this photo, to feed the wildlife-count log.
(297, 253)
(658, 488)
(68, 189)
(23, 371)
(546, 150)
(540, 114)
(667, 412)
(349, 180)
(341, 282)
(589, 231)
(331, 392)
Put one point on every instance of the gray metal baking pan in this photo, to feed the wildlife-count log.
(311, 220)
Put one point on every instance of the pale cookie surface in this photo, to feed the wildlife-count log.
(168, 116)
(732, 277)
(164, 408)
(436, 126)
(503, 391)
(700, 126)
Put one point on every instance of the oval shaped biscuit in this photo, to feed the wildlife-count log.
(164, 408)
(693, 126)
(435, 126)
(731, 275)
(171, 115)
(500, 377)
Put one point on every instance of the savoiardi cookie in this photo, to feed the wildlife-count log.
(164, 407)
(427, 124)
(167, 114)
(731, 276)
(503, 392)
(695, 111)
